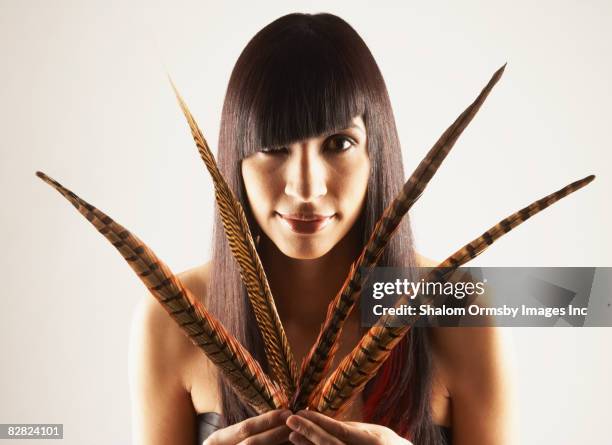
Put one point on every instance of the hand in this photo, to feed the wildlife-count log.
(266, 429)
(313, 428)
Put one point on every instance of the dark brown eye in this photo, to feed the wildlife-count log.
(340, 143)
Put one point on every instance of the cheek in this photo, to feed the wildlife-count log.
(261, 187)
(353, 183)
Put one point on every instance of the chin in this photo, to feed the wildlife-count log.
(307, 251)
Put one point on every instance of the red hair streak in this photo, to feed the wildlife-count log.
(385, 382)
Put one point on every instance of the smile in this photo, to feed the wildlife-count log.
(305, 224)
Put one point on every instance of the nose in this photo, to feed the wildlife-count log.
(305, 173)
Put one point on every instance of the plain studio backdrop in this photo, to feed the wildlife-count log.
(85, 98)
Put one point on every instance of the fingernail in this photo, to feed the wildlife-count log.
(285, 414)
(292, 422)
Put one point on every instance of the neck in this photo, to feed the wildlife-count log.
(302, 289)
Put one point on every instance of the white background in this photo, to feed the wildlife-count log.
(84, 97)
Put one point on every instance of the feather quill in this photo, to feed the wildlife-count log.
(252, 272)
(204, 330)
(358, 367)
(321, 354)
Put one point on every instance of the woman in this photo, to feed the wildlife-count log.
(308, 144)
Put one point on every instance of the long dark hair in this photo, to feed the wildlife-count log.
(301, 76)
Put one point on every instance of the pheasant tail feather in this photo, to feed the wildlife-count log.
(252, 272)
(478, 245)
(237, 365)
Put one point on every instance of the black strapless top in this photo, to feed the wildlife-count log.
(208, 423)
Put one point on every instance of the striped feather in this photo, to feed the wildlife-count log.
(241, 370)
(321, 354)
(252, 272)
(357, 368)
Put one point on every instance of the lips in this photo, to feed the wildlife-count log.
(305, 224)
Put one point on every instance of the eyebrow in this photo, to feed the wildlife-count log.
(356, 127)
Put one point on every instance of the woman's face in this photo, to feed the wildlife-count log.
(307, 195)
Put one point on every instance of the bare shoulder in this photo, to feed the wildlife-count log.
(476, 367)
(469, 351)
(199, 373)
(196, 280)
(478, 371)
(159, 326)
(155, 334)
(162, 360)
(424, 261)
(471, 357)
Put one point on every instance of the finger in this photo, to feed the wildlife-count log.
(372, 431)
(275, 436)
(359, 425)
(239, 431)
(344, 432)
(311, 431)
(298, 439)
